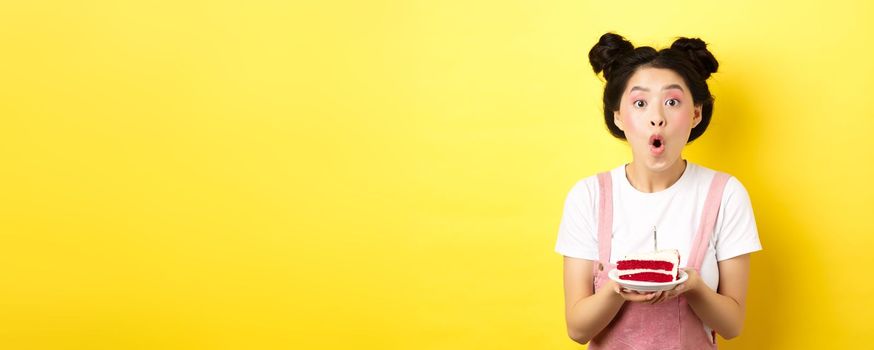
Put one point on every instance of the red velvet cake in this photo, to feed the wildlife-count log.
(660, 266)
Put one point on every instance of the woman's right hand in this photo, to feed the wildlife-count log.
(632, 295)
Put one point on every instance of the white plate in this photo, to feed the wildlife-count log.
(647, 286)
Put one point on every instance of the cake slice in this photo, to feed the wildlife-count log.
(660, 266)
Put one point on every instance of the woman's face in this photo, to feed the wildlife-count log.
(657, 115)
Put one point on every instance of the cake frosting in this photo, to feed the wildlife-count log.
(659, 266)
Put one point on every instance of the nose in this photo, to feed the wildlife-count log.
(657, 119)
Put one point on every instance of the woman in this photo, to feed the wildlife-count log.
(658, 101)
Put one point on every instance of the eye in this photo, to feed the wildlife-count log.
(672, 102)
(640, 103)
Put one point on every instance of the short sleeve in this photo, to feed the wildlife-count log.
(736, 229)
(576, 233)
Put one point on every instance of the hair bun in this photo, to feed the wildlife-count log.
(607, 51)
(696, 50)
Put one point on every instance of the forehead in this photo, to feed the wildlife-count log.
(654, 79)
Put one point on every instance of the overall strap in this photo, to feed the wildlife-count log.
(605, 216)
(708, 221)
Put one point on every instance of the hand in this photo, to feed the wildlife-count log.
(691, 284)
(633, 295)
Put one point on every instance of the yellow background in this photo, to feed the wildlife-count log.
(391, 174)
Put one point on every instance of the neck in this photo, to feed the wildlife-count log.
(649, 181)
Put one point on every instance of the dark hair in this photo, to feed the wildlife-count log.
(618, 59)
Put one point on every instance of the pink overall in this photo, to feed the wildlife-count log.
(670, 324)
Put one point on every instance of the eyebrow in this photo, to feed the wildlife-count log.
(672, 86)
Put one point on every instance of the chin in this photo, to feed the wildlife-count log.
(661, 163)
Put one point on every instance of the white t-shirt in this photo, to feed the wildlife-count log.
(674, 211)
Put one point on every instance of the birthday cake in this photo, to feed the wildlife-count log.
(659, 266)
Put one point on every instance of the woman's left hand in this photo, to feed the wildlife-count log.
(691, 283)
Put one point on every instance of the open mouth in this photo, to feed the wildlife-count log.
(657, 144)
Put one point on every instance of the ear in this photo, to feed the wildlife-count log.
(618, 121)
(696, 116)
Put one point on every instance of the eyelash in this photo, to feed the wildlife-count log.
(670, 99)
